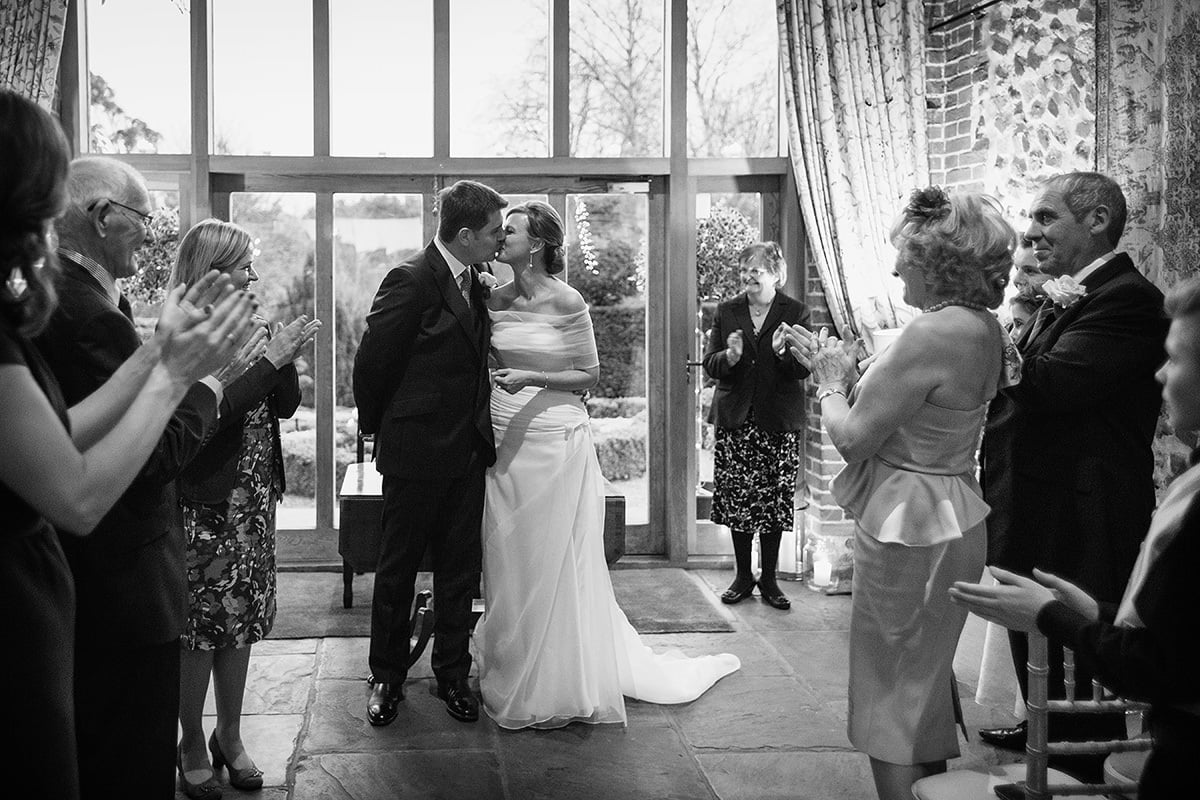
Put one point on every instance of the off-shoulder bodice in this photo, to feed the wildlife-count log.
(543, 342)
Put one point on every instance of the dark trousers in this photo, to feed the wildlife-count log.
(127, 718)
(444, 515)
(1068, 727)
(1172, 763)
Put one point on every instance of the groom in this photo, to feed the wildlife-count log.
(421, 385)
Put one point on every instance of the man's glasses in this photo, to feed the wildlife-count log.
(145, 219)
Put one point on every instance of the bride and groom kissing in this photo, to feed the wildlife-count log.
(487, 461)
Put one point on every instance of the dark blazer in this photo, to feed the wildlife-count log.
(421, 380)
(1066, 461)
(130, 577)
(772, 385)
(212, 474)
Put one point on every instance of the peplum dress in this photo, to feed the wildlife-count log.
(919, 514)
(553, 646)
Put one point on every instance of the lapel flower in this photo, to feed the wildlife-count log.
(487, 282)
(1064, 290)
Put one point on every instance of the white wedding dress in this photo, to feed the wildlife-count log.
(553, 646)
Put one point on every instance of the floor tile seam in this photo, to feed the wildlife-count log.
(310, 754)
(675, 724)
(305, 722)
(773, 749)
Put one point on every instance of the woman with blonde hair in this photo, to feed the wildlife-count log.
(228, 495)
(909, 430)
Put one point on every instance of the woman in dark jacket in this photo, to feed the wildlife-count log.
(758, 410)
(1145, 648)
(227, 495)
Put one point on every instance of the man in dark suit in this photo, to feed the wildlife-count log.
(1067, 465)
(130, 577)
(422, 386)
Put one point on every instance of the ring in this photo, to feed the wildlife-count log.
(231, 337)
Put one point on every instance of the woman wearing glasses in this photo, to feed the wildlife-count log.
(758, 410)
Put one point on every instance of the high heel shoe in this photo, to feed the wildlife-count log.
(247, 779)
(207, 789)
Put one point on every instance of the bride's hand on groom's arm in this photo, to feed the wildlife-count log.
(514, 380)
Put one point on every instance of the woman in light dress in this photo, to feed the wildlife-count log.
(553, 645)
(909, 431)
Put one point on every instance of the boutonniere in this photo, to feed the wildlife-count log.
(1064, 290)
(487, 282)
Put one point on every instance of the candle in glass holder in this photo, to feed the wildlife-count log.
(822, 572)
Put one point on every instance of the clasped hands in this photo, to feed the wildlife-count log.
(514, 380)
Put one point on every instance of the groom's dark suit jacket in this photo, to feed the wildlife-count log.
(1066, 462)
(421, 378)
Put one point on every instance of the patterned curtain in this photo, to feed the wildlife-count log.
(854, 78)
(31, 38)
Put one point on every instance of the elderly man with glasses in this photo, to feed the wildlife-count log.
(130, 578)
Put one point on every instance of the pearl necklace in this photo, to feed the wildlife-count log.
(948, 303)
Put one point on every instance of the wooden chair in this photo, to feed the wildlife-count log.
(1038, 781)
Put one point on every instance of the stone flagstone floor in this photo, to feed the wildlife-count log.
(775, 729)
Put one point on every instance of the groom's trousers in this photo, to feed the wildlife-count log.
(445, 516)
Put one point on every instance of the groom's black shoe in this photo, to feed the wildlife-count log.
(460, 701)
(1007, 738)
(384, 704)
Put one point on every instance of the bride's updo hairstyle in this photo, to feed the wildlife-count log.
(546, 225)
(961, 244)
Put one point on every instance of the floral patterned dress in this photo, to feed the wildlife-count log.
(231, 549)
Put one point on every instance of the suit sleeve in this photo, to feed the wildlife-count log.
(1111, 341)
(194, 421)
(1160, 661)
(254, 384)
(715, 363)
(383, 353)
(94, 354)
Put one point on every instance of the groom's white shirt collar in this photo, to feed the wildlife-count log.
(456, 266)
(1095, 265)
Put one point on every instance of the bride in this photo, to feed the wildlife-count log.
(553, 645)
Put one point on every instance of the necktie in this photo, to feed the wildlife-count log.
(1044, 316)
(464, 285)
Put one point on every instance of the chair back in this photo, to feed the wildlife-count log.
(1038, 748)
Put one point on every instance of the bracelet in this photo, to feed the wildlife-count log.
(821, 395)
(545, 381)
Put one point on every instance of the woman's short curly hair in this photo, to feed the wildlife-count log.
(960, 243)
(769, 255)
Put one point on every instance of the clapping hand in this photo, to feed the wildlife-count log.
(733, 347)
(251, 351)
(203, 342)
(834, 361)
(185, 307)
(798, 340)
(290, 339)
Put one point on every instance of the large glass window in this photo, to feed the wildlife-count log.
(617, 78)
(499, 78)
(139, 98)
(732, 74)
(283, 226)
(371, 234)
(606, 262)
(381, 78)
(262, 67)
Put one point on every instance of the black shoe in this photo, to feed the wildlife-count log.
(460, 701)
(738, 591)
(384, 704)
(1009, 791)
(1006, 738)
(773, 596)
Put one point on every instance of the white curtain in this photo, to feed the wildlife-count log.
(854, 78)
